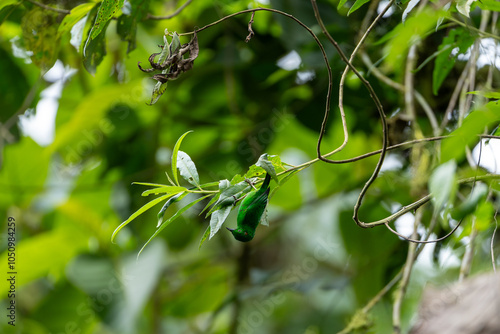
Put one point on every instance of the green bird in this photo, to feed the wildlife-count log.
(250, 212)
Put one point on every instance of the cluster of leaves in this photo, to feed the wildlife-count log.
(44, 29)
(222, 201)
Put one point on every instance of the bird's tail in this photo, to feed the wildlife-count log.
(266, 182)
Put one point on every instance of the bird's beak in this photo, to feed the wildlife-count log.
(230, 229)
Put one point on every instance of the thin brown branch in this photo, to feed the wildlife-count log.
(344, 76)
(390, 148)
(413, 240)
(57, 10)
(167, 17)
(425, 199)
(365, 82)
(481, 33)
(380, 110)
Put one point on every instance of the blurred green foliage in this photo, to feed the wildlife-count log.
(312, 269)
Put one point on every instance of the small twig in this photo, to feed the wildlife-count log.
(424, 200)
(167, 17)
(481, 33)
(343, 78)
(57, 10)
(380, 110)
(426, 241)
(250, 30)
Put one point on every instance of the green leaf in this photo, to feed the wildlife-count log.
(212, 201)
(187, 168)
(486, 94)
(44, 43)
(357, 5)
(168, 203)
(402, 36)
(158, 91)
(94, 52)
(5, 3)
(88, 122)
(6, 10)
(445, 60)
(163, 190)
(106, 12)
(165, 52)
(442, 183)
(174, 156)
(15, 82)
(175, 45)
(489, 5)
(267, 166)
(159, 87)
(469, 205)
(170, 220)
(408, 9)
(143, 209)
(204, 237)
(217, 219)
(134, 13)
(263, 219)
(484, 215)
(474, 124)
(74, 17)
(20, 181)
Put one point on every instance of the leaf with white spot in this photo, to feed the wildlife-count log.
(187, 168)
(463, 6)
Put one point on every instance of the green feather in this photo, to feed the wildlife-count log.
(250, 212)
